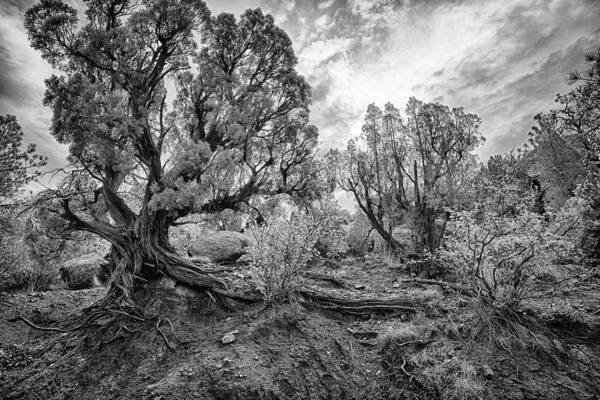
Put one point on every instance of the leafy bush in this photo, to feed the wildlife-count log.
(499, 256)
(18, 271)
(280, 251)
(31, 251)
(14, 274)
(359, 235)
(331, 242)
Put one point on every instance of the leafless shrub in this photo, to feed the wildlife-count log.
(280, 251)
(500, 256)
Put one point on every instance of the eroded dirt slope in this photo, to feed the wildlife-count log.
(284, 352)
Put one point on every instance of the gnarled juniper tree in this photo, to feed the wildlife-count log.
(408, 169)
(237, 129)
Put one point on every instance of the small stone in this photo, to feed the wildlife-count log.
(227, 362)
(185, 291)
(488, 373)
(228, 338)
(166, 283)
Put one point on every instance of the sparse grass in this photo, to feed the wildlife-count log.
(419, 329)
(41, 278)
(391, 259)
(416, 352)
(454, 379)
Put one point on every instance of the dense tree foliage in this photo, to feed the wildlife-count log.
(238, 129)
(409, 170)
(17, 166)
(566, 145)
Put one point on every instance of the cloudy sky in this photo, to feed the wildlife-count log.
(504, 60)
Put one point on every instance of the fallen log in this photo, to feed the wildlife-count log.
(315, 299)
(310, 298)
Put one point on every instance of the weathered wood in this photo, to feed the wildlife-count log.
(310, 298)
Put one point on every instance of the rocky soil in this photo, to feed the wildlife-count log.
(290, 351)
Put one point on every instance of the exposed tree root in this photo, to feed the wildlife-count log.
(169, 344)
(191, 273)
(38, 327)
(241, 297)
(82, 324)
(108, 324)
(314, 299)
(311, 298)
(402, 368)
(115, 314)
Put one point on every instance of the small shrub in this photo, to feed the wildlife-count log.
(359, 236)
(41, 278)
(499, 256)
(14, 266)
(331, 243)
(31, 251)
(280, 251)
(23, 273)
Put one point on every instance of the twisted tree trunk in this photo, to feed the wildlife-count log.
(140, 254)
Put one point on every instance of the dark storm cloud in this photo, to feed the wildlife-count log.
(521, 70)
(512, 137)
(22, 74)
(531, 94)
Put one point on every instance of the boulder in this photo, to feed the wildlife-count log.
(332, 246)
(219, 247)
(84, 272)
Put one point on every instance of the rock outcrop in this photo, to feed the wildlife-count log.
(84, 272)
(219, 247)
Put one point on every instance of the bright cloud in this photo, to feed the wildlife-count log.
(504, 60)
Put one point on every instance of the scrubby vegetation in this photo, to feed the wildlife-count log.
(195, 249)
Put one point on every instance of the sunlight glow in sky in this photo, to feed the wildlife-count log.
(504, 60)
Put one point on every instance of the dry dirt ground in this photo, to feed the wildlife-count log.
(295, 352)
